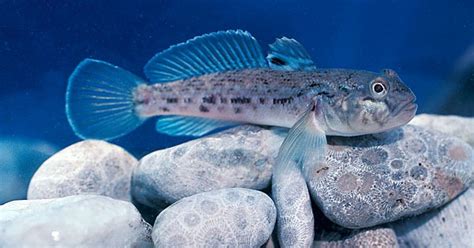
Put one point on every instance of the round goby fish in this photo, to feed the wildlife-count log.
(223, 79)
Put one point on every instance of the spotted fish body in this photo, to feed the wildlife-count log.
(222, 79)
(257, 96)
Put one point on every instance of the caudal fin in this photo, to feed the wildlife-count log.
(99, 100)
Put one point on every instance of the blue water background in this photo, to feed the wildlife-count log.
(42, 41)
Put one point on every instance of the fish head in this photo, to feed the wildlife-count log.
(375, 102)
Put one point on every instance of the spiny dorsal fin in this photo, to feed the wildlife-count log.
(289, 55)
(190, 126)
(209, 53)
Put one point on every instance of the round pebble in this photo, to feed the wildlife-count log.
(377, 237)
(375, 179)
(231, 217)
(73, 221)
(456, 126)
(86, 167)
(295, 220)
(451, 226)
(239, 157)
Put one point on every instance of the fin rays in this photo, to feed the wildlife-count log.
(190, 126)
(209, 53)
(99, 100)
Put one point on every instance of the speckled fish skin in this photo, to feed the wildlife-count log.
(278, 98)
(222, 79)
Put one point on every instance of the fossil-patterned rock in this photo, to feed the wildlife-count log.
(450, 226)
(377, 237)
(457, 126)
(368, 180)
(380, 178)
(231, 217)
(86, 167)
(73, 221)
(295, 219)
(239, 157)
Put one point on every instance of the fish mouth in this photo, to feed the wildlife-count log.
(407, 111)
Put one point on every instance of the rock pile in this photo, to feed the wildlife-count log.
(82, 195)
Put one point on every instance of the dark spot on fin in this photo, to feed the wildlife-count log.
(277, 61)
(289, 55)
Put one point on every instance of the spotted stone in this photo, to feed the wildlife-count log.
(239, 157)
(87, 167)
(398, 175)
(236, 223)
(374, 156)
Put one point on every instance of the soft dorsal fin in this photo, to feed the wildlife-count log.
(288, 54)
(209, 53)
(190, 126)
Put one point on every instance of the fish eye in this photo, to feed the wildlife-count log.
(378, 88)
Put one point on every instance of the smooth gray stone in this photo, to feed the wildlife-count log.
(374, 179)
(239, 157)
(450, 226)
(376, 237)
(86, 167)
(19, 159)
(74, 221)
(232, 217)
(457, 126)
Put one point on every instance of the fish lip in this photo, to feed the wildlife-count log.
(408, 111)
(407, 106)
(412, 107)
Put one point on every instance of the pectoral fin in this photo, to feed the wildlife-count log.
(304, 146)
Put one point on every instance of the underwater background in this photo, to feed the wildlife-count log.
(430, 44)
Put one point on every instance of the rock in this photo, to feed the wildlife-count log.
(232, 217)
(381, 178)
(83, 220)
(87, 167)
(378, 237)
(329, 234)
(451, 226)
(295, 219)
(460, 127)
(19, 159)
(239, 157)
(368, 180)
